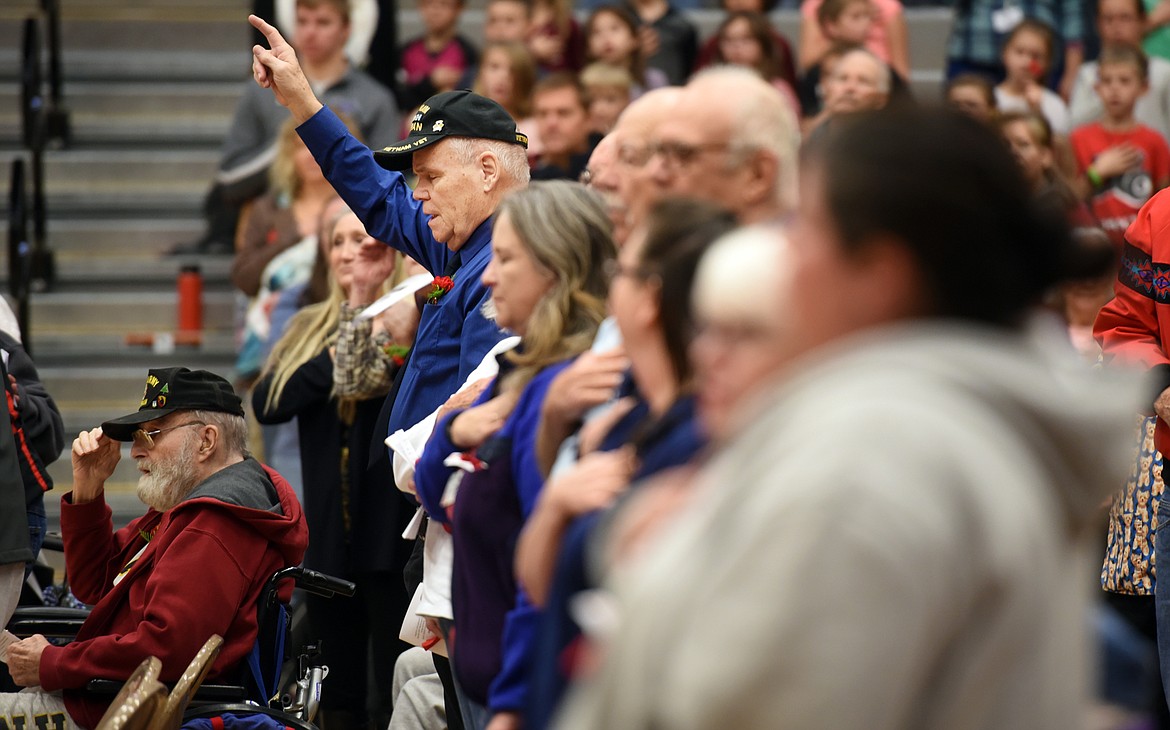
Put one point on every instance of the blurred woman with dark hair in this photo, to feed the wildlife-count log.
(650, 430)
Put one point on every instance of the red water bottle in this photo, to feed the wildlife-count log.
(190, 288)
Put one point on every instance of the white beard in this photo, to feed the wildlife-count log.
(169, 481)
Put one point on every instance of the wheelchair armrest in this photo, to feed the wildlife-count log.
(324, 585)
(53, 621)
(103, 687)
(309, 580)
(53, 541)
(207, 693)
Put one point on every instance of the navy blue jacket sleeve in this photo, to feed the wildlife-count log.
(381, 198)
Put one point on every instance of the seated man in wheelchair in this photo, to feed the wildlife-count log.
(218, 526)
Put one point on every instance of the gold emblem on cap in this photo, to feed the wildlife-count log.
(438, 126)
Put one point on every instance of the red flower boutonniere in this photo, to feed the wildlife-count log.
(396, 353)
(440, 286)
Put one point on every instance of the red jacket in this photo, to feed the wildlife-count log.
(1134, 328)
(200, 574)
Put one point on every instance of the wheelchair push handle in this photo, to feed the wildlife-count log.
(314, 582)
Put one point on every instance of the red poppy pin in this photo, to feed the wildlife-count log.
(396, 353)
(440, 286)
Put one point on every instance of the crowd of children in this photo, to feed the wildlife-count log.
(620, 51)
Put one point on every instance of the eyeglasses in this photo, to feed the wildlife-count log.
(635, 155)
(682, 154)
(146, 438)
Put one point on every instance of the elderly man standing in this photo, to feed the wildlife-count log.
(219, 525)
(467, 154)
(860, 82)
(732, 140)
(727, 137)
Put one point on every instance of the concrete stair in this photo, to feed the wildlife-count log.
(150, 86)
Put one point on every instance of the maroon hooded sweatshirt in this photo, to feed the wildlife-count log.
(201, 568)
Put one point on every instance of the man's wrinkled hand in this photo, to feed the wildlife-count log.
(24, 660)
(277, 68)
(95, 456)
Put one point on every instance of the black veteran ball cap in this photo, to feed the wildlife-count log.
(176, 389)
(451, 114)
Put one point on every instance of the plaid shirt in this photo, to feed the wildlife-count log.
(361, 368)
(973, 38)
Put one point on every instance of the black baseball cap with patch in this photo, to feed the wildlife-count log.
(176, 389)
(451, 114)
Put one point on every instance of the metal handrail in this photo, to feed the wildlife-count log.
(32, 102)
(57, 127)
(31, 265)
(19, 248)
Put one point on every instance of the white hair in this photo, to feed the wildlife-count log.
(513, 158)
(722, 269)
(233, 430)
(883, 69)
(762, 120)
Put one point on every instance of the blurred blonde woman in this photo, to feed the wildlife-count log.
(354, 523)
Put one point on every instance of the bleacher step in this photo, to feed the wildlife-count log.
(119, 238)
(124, 312)
(110, 349)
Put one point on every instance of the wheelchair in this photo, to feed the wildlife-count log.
(270, 682)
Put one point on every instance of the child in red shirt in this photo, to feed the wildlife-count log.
(1120, 163)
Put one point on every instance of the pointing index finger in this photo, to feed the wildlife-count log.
(272, 34)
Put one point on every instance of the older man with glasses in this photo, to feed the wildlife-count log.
(731, 140)
(635, 132)
(219, 524)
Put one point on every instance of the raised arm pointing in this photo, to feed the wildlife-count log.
(279, 70)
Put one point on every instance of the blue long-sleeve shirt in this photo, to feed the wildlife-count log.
(495, 624)
(453, 335)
